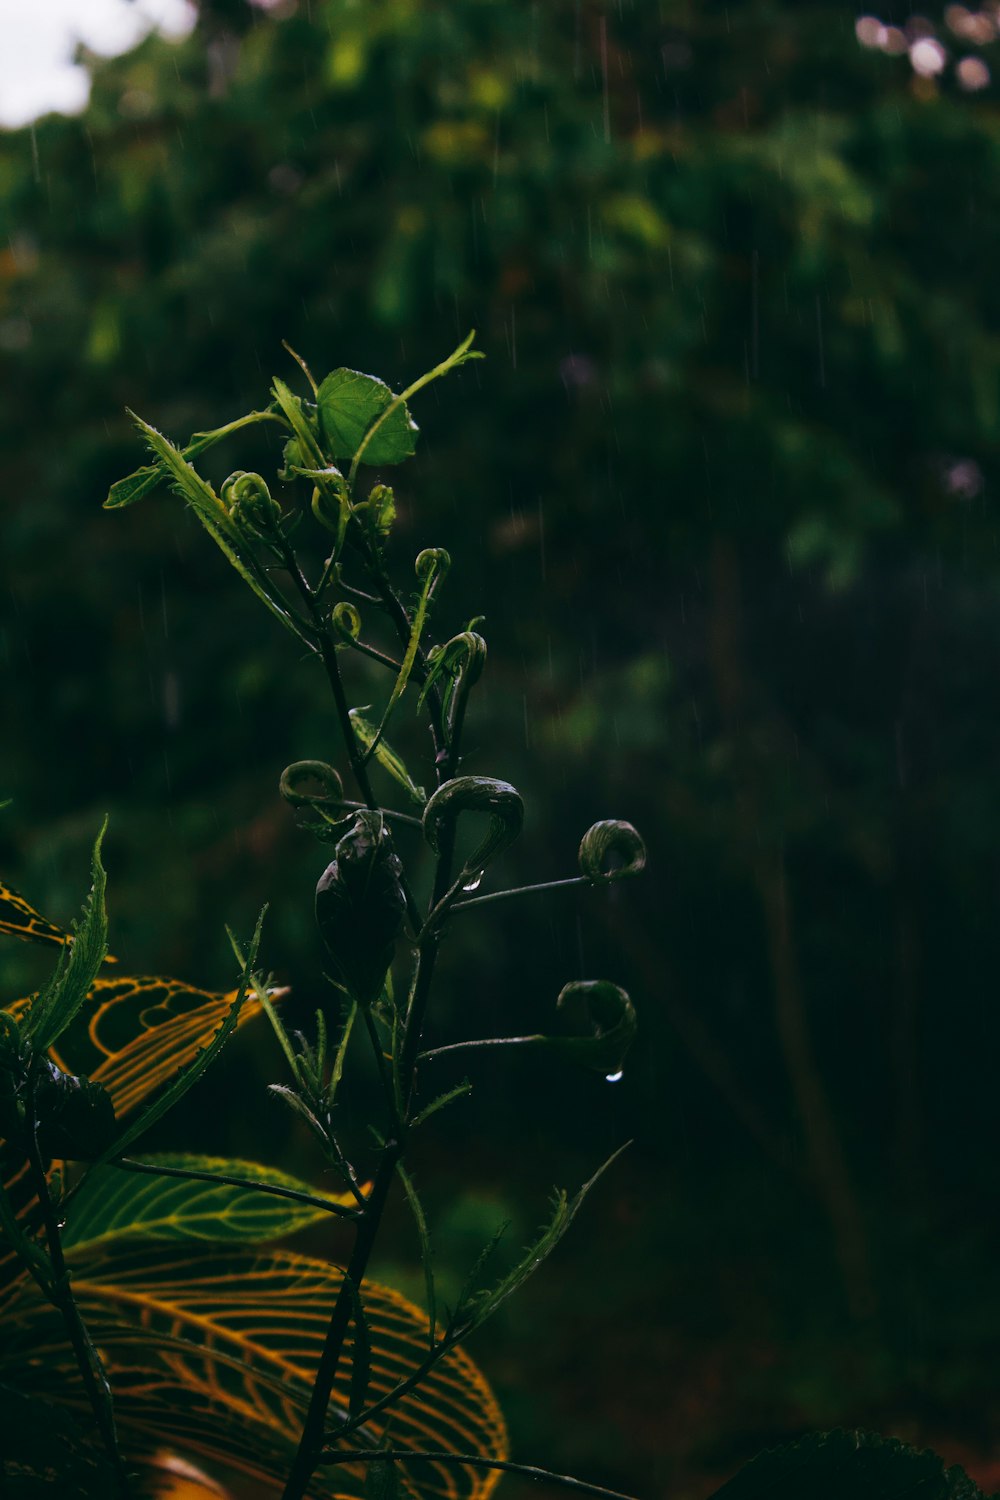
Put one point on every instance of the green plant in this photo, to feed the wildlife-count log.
(138, 1258)
(141, 1285)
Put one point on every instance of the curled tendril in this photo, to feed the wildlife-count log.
(475, 794)
(462, 658)
(431, 565)
(609, 1014)
(346, 621)
(292, 777)
(606, 839)
(250, 502)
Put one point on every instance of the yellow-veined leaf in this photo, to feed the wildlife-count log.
(114, 1202)
(165, 1476)
(19, 918)
(214, 1355)
(131, 1035)
(134, 1033)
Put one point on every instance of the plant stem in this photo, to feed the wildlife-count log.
(60, 1292)
(523, 890)
(473, 1461)
(487, 1041)
(311, 1442)
(151, 1169)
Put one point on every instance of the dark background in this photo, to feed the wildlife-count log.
(725, 491)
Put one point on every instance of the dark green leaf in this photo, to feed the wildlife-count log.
(360, 906)
(75, 1117)
(848, 1466)
(79, 964)
(349, 403)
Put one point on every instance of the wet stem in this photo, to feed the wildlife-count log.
(60, 1293)
(311, 1443)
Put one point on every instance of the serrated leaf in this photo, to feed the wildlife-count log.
(53, 1009)
(474, 1309)
(848, 1466)
(134, 487)
(215, 1357)
(386, 756)
(113, 1203)
(349, 403)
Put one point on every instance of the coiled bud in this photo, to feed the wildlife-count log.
(608, 840)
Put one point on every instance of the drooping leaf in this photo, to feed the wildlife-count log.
(214, 1356)
(75, 1116)
(349, 403)
(360, 906)
(20, 919)
(113, 1203)
(848, 1466)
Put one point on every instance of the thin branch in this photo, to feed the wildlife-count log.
(488, 1041)
(473, 1461)
(60, 1292)
(523, 890)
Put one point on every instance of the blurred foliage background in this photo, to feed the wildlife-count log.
(724, 490)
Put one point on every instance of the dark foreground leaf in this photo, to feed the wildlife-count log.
(848, 1466)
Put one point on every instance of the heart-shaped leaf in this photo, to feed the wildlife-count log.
(349, 404)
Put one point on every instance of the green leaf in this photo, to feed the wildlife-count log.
(370, 740)
(848, 1466)
(349, 403)
(474, 1309)
(113, 1203)
(134, 487)
(426, 1248)
(54, 1008)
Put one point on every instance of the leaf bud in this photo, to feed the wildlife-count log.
(609, 1014)
(610, 839)
(250, 503)
(381, 504)
(482, 794)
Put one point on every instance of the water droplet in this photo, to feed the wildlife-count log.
(615, 1077)
(474, 883)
